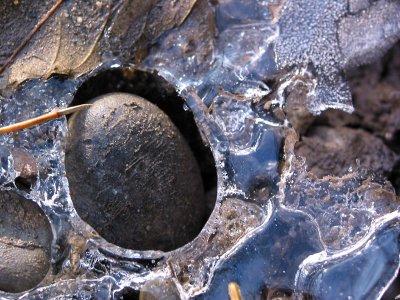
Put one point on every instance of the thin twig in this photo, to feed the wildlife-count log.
(43, 118)
(234, 291)
(29, 36)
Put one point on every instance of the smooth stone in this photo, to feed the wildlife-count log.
(132, 176)
(25, 241)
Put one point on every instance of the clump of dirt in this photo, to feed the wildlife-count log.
(376, 95)
(369, 137)
(332, 151)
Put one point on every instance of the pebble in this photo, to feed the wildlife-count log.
(25, 241)
(132, 176)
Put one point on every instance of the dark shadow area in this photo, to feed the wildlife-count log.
(127, 294)
(393, 291)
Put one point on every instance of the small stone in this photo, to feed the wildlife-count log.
(159, 289)
(268, 105)
(26, 169)
(25, 240)
(132, 175)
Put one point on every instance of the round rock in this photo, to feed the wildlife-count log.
(25, 241)
(132, 176)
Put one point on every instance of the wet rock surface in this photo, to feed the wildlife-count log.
(132, 176)
(25, 240)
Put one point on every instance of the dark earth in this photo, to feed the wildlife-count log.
(369, 137)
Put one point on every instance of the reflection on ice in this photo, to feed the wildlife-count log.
(255, 167)
(268, 259)
(358, 273)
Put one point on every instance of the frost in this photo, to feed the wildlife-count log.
(308, 38)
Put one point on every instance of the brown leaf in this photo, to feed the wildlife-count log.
(78, 35)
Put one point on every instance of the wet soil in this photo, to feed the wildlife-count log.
(369, 137)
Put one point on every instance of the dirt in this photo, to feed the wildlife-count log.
(333, 151)
(333, 141)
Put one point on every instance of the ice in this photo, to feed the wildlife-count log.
(275, 227)
(269, 258)
(368, 267)
(307, 38)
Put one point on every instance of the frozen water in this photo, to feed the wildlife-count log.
(308, 38)
(275, 227)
